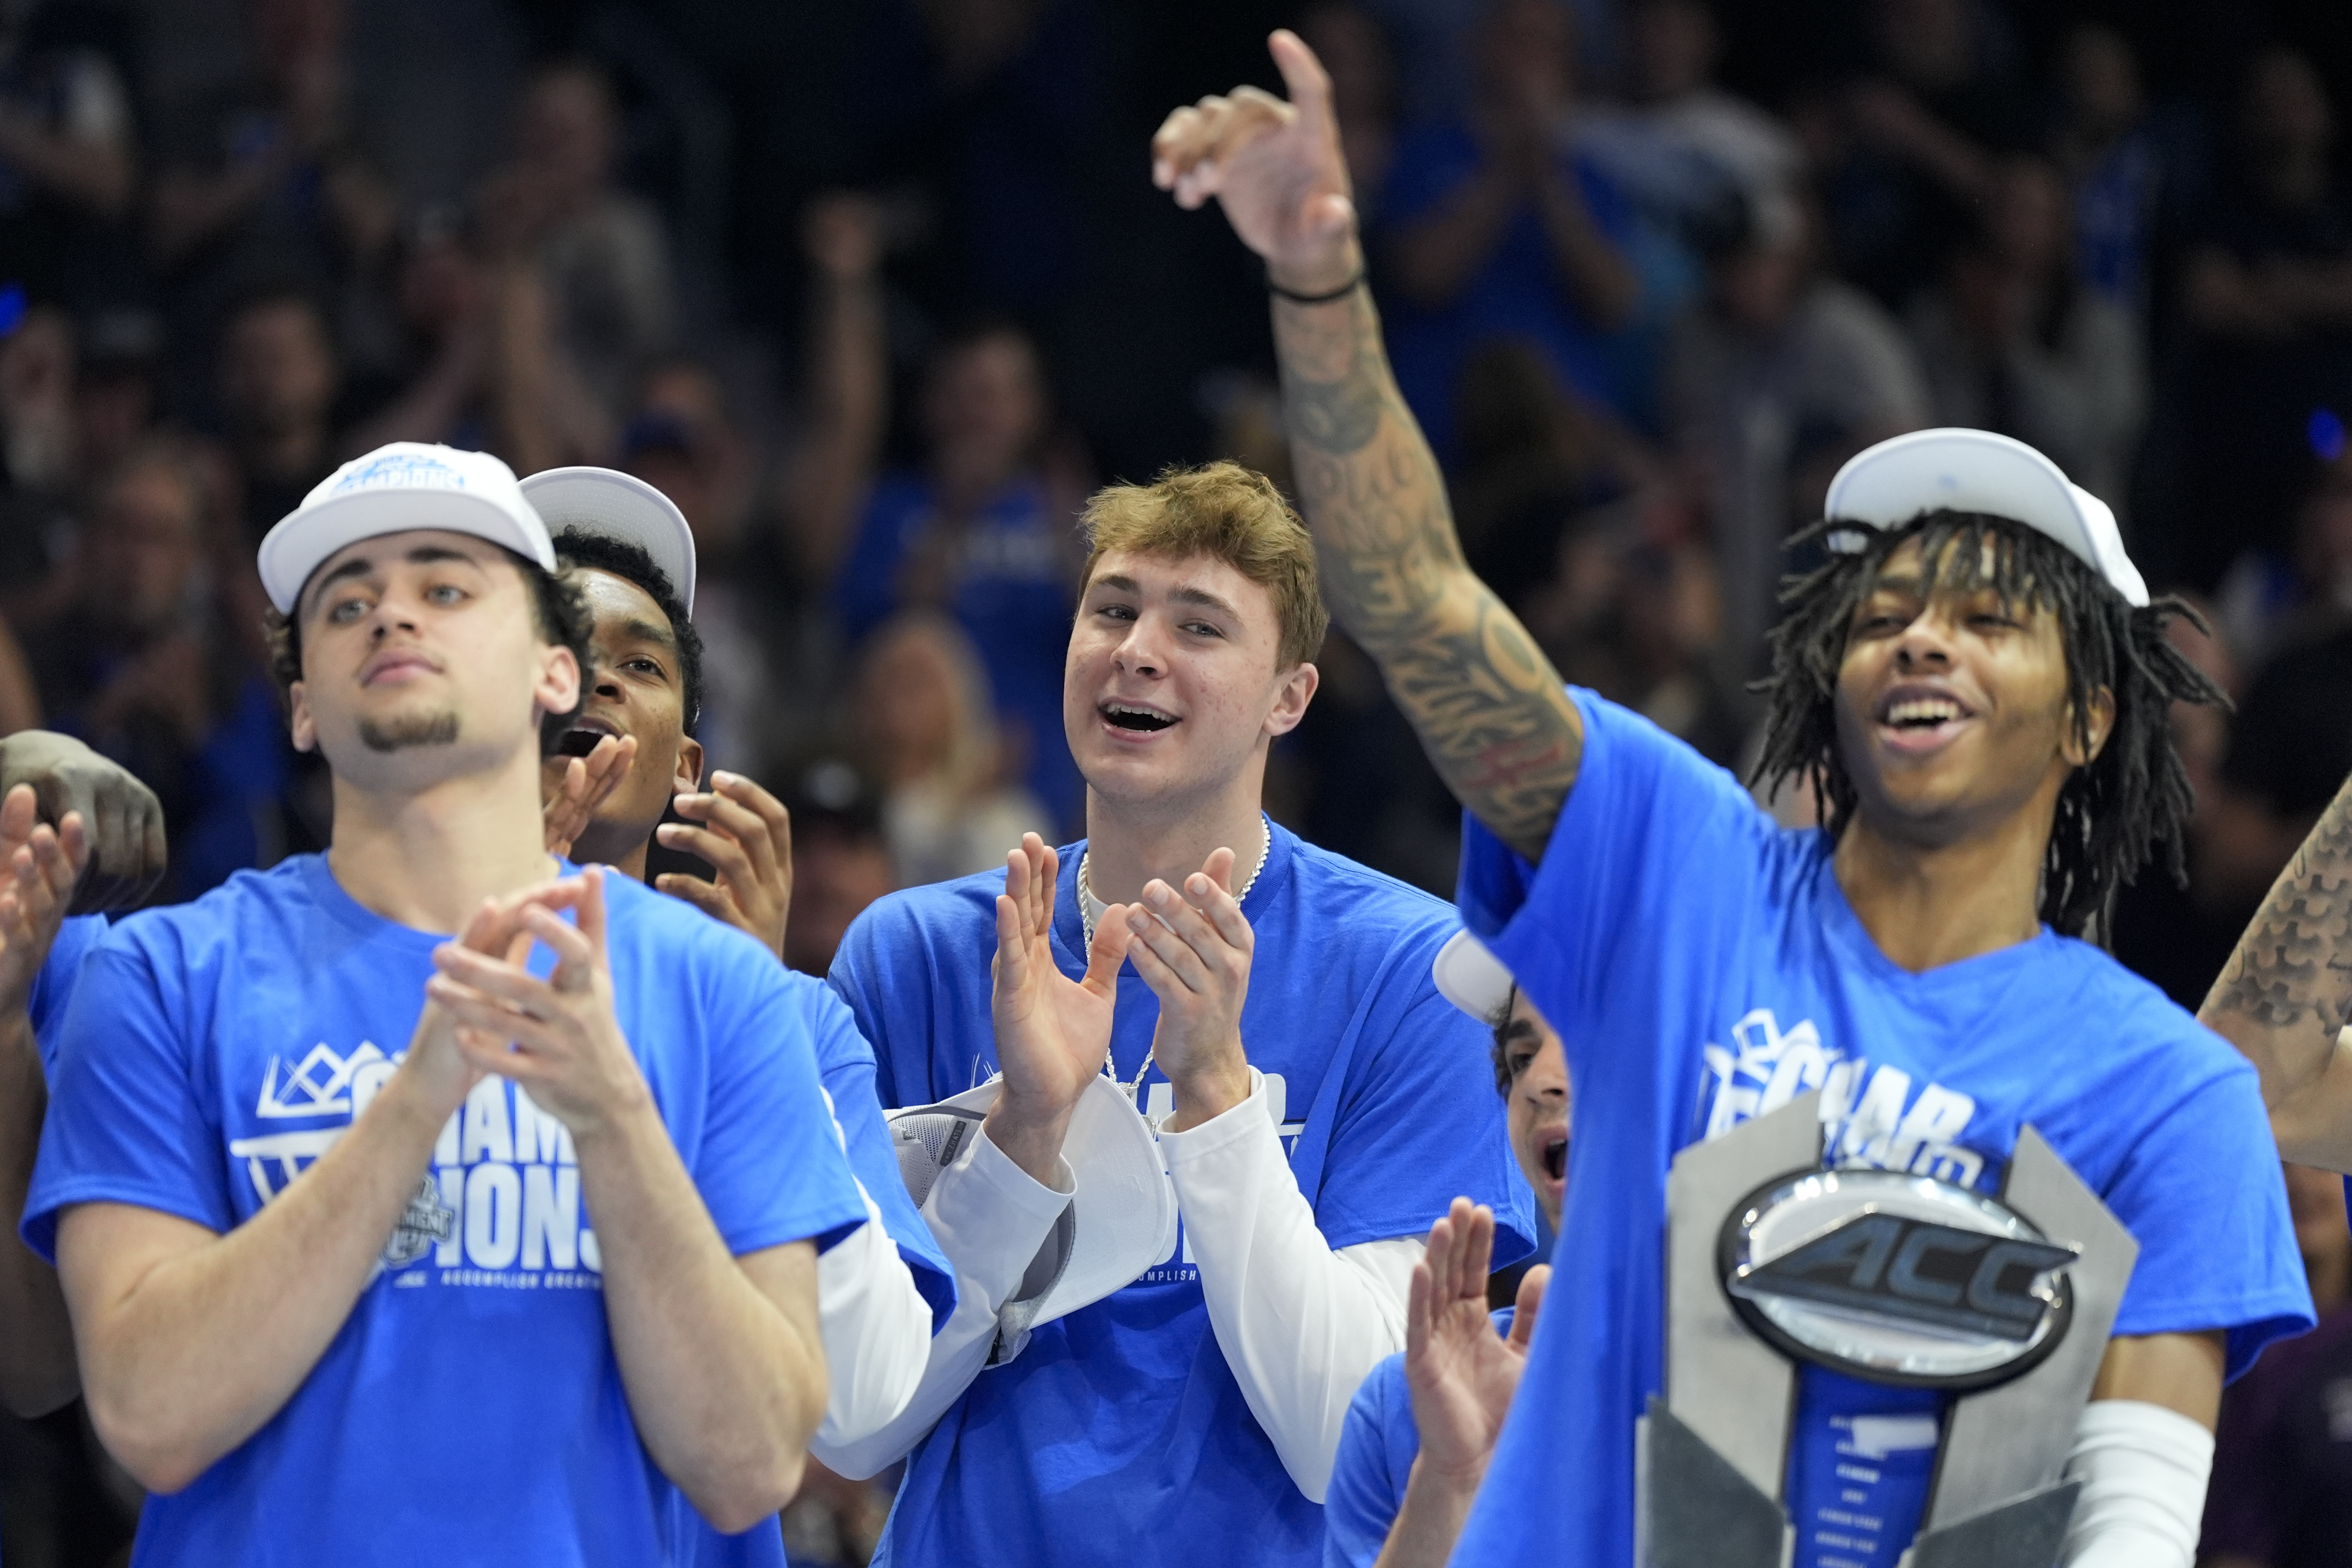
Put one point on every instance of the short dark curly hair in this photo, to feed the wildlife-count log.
(558, 610)
(2130, 803)
(631, 563)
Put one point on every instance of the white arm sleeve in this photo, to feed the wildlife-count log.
(1299, 1324)
(2143, 1469)
(990, 1217)
(876, 1329)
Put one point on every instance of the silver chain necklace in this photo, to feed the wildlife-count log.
(1087, 922)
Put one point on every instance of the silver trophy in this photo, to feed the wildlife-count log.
(1896, 1279)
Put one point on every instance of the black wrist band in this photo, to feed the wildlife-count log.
(1341, 292)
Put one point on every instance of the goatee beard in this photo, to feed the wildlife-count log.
(415, 730)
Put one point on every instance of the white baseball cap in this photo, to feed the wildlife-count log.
(396, 487)
(1471, 977)
(1121, 1221)
(618, 505)
(1889, 485)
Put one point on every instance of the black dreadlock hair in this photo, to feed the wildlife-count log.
(2131, 799)
(631, 563)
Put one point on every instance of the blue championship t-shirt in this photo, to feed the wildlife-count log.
(471, 1408)
(845, 1064)
(1703, 967)
(1369, 1474)
(1119, 1433)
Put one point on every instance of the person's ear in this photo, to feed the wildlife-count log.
(689, 767)
(557, 691)
(1294, 691)
(2102, 725)
(298, 722)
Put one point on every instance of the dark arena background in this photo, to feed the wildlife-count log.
(879, 291)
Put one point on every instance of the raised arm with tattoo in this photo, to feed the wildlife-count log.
(1490, 709)
(2286, 994)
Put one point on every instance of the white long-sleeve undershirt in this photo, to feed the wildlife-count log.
(876, 1329)
(1299, 1324)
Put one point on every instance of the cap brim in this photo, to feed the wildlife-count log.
(1472, 978)
(1124, 1212)
(305, 540)
(620, 506)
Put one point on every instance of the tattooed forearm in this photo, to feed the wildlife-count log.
(1489, 708)
(2287, 988)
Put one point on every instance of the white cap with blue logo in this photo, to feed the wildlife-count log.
(392, 489)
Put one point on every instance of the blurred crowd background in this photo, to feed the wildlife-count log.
(879, 290)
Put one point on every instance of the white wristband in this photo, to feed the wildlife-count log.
(2143, 1469)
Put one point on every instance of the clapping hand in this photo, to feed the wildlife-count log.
(1052, 1032)
(1195, 952)
(1461, 1374)
(746, 835)
(573, 788)
(558, 1038)
(38, 865)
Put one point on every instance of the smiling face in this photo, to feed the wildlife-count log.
(1538, 1107)
(1952, 709)
(423, 660)
(1173, 690)
(636, 688)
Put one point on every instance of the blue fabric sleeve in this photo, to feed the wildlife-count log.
(847, 1062)
(1367, 1488)
(1421, 1124)
(770, 1169)
(2202, 1193)
(53, 987)
(1644, 806)
(127, 1121)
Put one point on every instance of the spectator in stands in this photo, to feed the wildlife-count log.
(922, 711)
(841, 862)
(1907, 152)
(1495, 226)
(600, 256)
(139, 665)
(1679, 144)
(1778, 376)
(269, 171)
(68, 161)
(442, 297)
(2267, 292)
(2281, 1495)
(981, 530)
(2011, 341)
(2275, 599)
(279, 385)
(2114, 162)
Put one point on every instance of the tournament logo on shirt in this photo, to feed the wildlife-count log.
(501, 1205)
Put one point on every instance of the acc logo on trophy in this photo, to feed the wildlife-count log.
(1896, 1279)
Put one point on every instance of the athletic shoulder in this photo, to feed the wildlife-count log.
(2139, 1021)
(919, 917)
(1370, 899)
(217, 922)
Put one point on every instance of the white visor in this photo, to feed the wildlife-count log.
(1471, 977)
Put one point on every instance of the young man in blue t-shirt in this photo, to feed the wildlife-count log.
(382, 1247)
(1423, 1426)
(1976, 688)
(629, 551)
(1317, 1105)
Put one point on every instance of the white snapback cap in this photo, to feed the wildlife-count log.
(1889, 485)
(618, 505)
(396, 487)
(1120, 1222)
(1471, 977)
